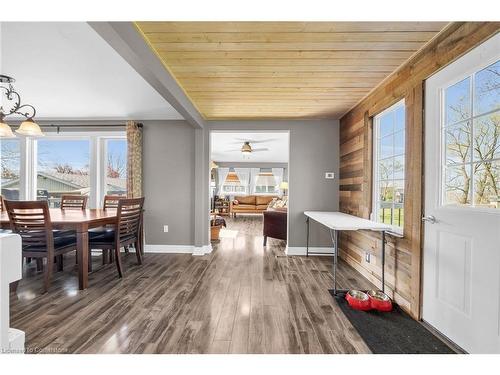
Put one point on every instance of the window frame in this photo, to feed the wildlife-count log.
(396, 230)
(97, 162)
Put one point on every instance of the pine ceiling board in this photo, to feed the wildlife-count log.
(292, 46)
(290, 27)
(270, 61)
(285, 54)
(258, 70)
(207, 69)
(262, 37)
(271, 75)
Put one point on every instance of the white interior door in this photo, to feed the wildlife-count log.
(461, 265)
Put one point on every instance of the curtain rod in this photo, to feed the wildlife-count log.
(140, 125)
(57, 127)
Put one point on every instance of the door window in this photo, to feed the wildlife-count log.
(471, 140)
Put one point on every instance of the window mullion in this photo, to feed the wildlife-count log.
(94, 171)
(28, 169)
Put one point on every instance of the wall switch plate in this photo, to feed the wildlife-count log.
(165, 228)
(329, 175)
(367, 257)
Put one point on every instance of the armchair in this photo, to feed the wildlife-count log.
(275, 223)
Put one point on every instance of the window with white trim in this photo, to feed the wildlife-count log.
(265, 183)
(233, 185)
(389, 167)
(86, 163)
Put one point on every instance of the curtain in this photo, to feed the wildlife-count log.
(278, 176)
(243, 176)
(221, 176)
(254, 172)
(134, 159)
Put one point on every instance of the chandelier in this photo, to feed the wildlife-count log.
(10, 104)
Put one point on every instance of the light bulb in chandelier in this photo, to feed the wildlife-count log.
(30, 128)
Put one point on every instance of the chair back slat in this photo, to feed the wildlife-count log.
(129, 217)
(111, 201)
(31, 220)
(74, 202)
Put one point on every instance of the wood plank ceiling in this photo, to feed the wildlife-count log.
(265, 70)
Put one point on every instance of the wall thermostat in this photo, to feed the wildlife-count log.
(329, 175)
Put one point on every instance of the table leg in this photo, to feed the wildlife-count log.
(334, 234)
(383, 261)
(307, 238)
(82, 250)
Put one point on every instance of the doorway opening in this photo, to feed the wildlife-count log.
(249, 186)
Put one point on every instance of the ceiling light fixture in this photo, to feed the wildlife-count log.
(11, 104)
(246, 148)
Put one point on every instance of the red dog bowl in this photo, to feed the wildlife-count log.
(379, 300)
(358, 300)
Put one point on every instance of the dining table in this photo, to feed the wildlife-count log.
(80, 221)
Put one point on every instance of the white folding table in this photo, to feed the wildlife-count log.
(339, 221)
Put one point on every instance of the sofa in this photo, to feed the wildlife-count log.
(250, 204)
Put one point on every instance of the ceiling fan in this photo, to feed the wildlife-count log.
(253, 141)
(246, 148)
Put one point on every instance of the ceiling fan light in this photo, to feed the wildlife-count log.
(246, 147)
(30, 128)
(5, 130)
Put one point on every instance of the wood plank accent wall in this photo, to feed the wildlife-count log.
(404, 254)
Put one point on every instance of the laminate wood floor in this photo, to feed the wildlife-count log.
(241, 298)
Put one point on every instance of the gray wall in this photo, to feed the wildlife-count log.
(176, 177)
(168, 182)
(314, 150)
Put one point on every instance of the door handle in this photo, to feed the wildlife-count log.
(429, 219)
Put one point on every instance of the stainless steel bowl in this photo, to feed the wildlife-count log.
(358, 294)
(378, 295)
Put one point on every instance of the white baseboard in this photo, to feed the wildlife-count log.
(302, 250)
(178, 249)
(202, 250)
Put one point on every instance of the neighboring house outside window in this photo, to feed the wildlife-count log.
(389, 167)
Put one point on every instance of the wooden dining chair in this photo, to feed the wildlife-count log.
(74, 202)
(31, 220)
(111, 201)
(126, 231)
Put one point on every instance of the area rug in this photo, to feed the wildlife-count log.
(392, 332)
